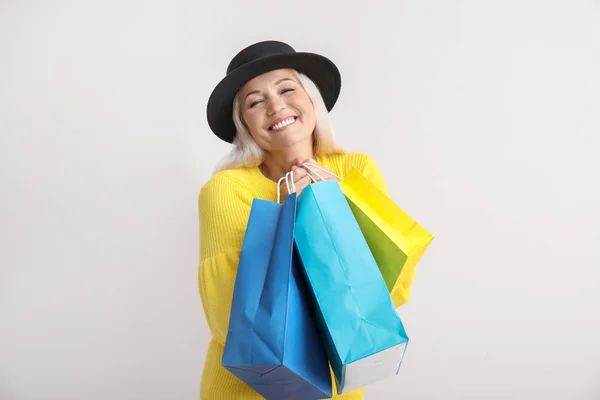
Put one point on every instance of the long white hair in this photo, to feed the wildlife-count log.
(245, 151)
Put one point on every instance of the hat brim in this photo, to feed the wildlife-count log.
(320, 69)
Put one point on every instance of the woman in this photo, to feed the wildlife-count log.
(273, 107)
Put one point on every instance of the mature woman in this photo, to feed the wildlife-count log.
(273, 107)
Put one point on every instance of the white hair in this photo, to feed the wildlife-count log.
(246, 153)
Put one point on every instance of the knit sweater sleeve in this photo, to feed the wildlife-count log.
(367, 166)
(223, 209)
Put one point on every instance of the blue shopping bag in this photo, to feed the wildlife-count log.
(272, 342)
(364, 337)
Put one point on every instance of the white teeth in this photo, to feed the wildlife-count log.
(283, 123)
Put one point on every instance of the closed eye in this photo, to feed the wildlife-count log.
(255, 103)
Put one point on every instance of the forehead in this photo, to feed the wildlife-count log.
(268, 79)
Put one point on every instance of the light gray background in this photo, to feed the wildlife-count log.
(483, 116)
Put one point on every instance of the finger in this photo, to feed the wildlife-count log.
(307, 180)
(312, 174)
(313, 168)
(316, 172)
(299, 173)
(302, 183)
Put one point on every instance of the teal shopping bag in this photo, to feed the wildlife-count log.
(362, 332)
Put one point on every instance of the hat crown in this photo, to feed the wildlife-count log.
(257, 51)
(260, 58)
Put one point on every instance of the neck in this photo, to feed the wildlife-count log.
(276, 164)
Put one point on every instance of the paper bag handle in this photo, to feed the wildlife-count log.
(291, 189)
(309, 165)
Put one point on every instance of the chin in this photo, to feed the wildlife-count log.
(294, 139)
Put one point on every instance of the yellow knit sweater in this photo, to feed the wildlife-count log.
(224, 207)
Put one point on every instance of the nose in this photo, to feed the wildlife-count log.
(275, 105)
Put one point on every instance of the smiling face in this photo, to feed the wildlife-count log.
(277, 110)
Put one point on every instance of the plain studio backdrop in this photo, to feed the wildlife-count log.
(482, 115)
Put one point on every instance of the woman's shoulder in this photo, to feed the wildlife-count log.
(227, 185)
(344, 162)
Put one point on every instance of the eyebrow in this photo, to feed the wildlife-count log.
(276, 83)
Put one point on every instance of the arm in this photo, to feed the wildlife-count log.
(223, 210)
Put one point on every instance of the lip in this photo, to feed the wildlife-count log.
(281, 119)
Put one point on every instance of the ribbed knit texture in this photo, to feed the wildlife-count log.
(224, 207)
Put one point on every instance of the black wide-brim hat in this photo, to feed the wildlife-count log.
(257, 59)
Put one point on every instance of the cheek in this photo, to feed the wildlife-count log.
(307, 107)
(251, 120)
(309, 112)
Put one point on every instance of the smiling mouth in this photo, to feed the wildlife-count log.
(283, 124)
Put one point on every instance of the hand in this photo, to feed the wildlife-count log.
(301, 180)
(325, 175)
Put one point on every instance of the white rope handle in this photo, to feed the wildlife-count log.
(291, 189)
(287, 184)
(279, 189)
(322, 169)
(314, 172)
